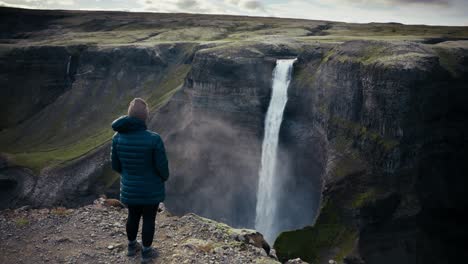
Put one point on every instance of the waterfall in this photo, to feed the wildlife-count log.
(68, 65)
(266, 220)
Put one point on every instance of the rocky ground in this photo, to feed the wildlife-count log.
(96, 234)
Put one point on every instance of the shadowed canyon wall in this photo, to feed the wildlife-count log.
(391, 114)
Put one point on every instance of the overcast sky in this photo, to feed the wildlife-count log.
(432, 12)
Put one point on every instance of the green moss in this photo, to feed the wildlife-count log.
(346, 166)
(329, 232)
(190, 34)
(322, 108)
(328, 55)
(363, 198)
(388, 144)
(21, 221)
(356, 130)
(377, 53)
(304, 77)
(372, 53)
(368, 54)
(232, 243)
(393, 31)
(280, 31)
(167, 87)
(348, 244)
(38, 160)
(448, 60)
(60, 211)
(101, 37)
(180, 28)
(393, 59)
(55, 144)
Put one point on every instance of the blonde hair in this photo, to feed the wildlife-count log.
(138, 108)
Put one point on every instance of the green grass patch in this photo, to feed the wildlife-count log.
(167, 87)
(191, 34)
(37, 160)
(369, 54)
(278, 31)
(395, 31)
(60, 211)
(329, 232)
(21, 221)
(448, 60)
(356, 130)
(144, 29)
(346, 166)
(304, 76)
(363, 198)
(378, 53)
(54, 143)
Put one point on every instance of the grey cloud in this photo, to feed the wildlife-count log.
(187, 4)
(437, 2)
(379, 3)
(191, 6)
(247, 4)
(253, 4)
(37, 3)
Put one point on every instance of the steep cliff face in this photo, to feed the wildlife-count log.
(44, 83)
(74, 127)
(393, 120)
(214, 148)
(215, 138)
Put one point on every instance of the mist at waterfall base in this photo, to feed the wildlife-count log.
(216, 157)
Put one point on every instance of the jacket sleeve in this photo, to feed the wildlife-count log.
(116, 165)
(160, 159)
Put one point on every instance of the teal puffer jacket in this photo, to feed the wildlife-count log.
(139, 156)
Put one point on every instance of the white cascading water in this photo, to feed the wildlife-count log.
(68, 65)
(266, 220)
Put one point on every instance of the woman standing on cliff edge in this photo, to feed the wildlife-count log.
(139, 156)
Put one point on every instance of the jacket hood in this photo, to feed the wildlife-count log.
(126, 124)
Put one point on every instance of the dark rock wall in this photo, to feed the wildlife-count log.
(302, 148)
(66, 141)
(214, 140)
(392, 117)
(28, 83)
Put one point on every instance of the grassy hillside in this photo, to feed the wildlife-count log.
(78, 120)
(28, 27)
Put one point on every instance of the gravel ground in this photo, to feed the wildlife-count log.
(96, 234)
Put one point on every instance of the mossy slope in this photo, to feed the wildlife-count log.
(79, 120)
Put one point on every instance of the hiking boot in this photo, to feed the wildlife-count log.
(146, 255)
(132, 248)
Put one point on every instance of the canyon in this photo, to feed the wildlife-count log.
(372, 143)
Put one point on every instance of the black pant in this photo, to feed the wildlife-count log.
(149, 217)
